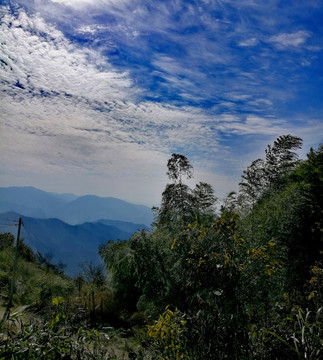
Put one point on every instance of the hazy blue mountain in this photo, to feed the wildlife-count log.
(69, 208)
(92, 208)
(32, 202)
(124, 225)
(70, 244)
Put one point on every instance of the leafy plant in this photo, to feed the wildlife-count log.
(167, 336)
(50, 339)
(305, 341)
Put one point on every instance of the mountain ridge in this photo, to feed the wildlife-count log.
(69, 244)
(70, 208)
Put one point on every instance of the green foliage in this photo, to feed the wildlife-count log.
(180, 204)
(292, 218)
(179, 166)
(310, 172)
(297, 336)
(245, 283)
(314, 287)
(176, 206)
(52, 339)
(152, 269)
(235, 281)
(264, 175)
(212, 259)
(33, 284)
(168, 339)
(119, 260)
(280, 158)
(308, 333)
(93, 274)
(203, 201)
(253, 181)
(141, 270)
(6, 240)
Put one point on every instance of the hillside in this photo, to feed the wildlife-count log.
(69, 244)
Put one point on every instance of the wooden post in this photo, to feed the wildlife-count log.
(12, 285)
(101, 311)
(93, 307)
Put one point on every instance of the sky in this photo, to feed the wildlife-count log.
(97, 94)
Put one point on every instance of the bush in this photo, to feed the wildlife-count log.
(53, 339)
(167, 336)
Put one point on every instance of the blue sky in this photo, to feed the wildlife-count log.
(97, 94)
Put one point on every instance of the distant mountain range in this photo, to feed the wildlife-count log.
(70, 208)
(70, 228)
(70, 244)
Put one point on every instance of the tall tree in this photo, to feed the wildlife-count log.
(179, 166)
(176, 204)
(254, 181)
(281, 158)
(180, 203)
(204, 199)
(177, 198)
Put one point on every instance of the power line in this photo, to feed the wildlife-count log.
(31, 236)
(10, 222)
(9, 219)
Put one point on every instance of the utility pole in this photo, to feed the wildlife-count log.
(12, 285)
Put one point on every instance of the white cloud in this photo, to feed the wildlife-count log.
(70, 117)
(40, 58)
(290, 40)
(249, 42)
(67, 88)
(73, 2)
(72, 113)
(254, 125)
(80, 3)
(261, 102)
(92, 29)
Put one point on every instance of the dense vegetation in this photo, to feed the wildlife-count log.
(240, 279)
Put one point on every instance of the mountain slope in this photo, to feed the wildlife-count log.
(92, 208)
(124, 225)
(70, 244)
(69, 208)
(33, 202)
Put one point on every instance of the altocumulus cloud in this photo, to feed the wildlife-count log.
(66, 109)
(69, 113)
(70, 89)
(40, 59)
(39, 66)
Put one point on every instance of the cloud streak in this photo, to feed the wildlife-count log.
(292, 40)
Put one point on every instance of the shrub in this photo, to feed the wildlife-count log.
(167, 336)
(51, 339)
